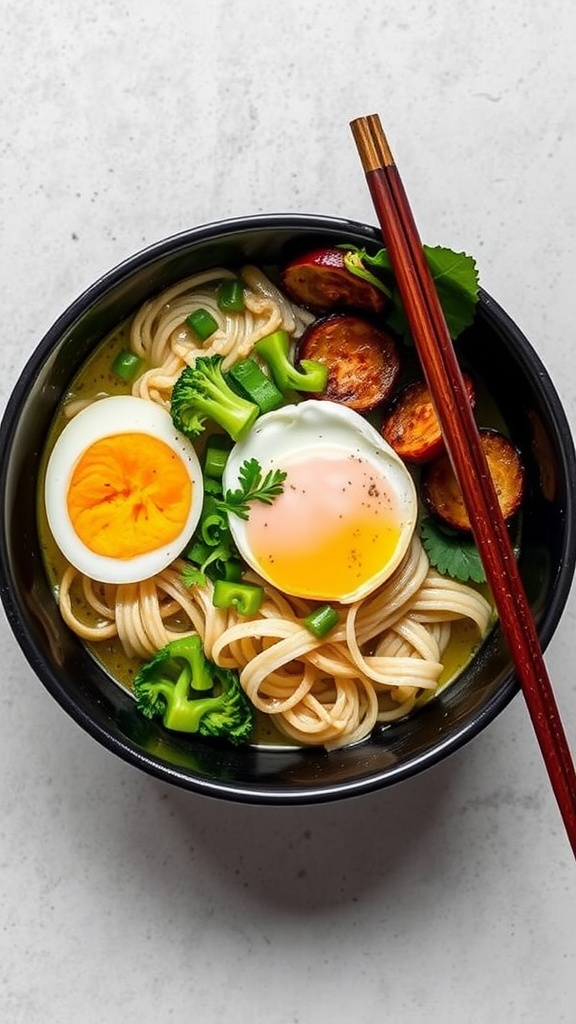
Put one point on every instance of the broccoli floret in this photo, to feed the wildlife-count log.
(274, 349)
(201, 393)
(167, 687)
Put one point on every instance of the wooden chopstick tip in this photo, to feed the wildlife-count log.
(371, 143)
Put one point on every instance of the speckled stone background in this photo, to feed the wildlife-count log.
(449, 898)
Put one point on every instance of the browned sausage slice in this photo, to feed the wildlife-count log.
(442, 495)
(363, 360)
(411, 426)
(321, 280)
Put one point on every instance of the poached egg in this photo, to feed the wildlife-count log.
(347, 512)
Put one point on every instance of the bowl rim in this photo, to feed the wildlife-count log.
(252, 793)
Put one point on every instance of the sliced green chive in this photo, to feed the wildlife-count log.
(198, 552)
(202, 323)
(246, 598)
(252, 383)
(215, 460)
(232, 570)
(126, 365)
(230, 296)
(322, 620)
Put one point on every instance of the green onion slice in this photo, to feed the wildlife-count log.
(246, 598)
(126, 365)
(202, 323)
(322, 620)
(230, 296)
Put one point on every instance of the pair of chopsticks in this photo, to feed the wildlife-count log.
(444, 378)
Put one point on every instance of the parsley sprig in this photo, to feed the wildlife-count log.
(253, 487)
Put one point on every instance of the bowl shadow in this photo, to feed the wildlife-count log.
(307, 860)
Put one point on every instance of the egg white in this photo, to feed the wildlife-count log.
(105, 418)
(319, 427)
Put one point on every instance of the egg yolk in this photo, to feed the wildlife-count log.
(335, 526)
(129, 494)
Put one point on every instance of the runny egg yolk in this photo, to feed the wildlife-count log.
(129, 494)
(334, 527)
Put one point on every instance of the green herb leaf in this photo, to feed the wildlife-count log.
(354, 261)
(252, 488)
(451, 553)
(456, 278)
(192, 576)
(204, 561)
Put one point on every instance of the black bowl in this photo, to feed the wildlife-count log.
(498, 352)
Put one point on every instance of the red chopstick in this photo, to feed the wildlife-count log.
(444, 378)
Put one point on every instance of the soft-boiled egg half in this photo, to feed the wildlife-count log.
(347, 512)
(123, 490)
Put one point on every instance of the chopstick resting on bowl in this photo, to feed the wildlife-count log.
(437, 357)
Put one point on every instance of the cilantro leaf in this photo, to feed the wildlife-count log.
(192, 576)
(252, 488)
(451, 553)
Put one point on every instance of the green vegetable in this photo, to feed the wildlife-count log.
(205, 561)
(246, 598)
(169, 685)
(126, 365)
(202, 324)
(193, 576)
(212, 486)
(454, 274)
(451, 553)
(322, 620)
(456, 278)
(201, 393)
(252, 488)
(354, 261)
(198, 552)
(232, 570)
(212, 553)
(275, 349)
(213, 525)
(230, 296)
(252, 383)
(215, 459)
